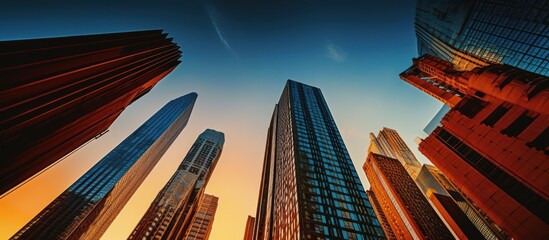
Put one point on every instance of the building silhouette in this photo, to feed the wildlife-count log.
(493, 142)
(249, 231)
(171, 214)
(406, 210)
(87, 208)
(202, 222)
(478, 33)
(59, 93)
(309, 186)
(389, 143)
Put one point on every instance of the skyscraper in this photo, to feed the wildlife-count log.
(249, 231)
(478, 33)
(202, 222)
(388, 143)
(87, 208)
(408, 213)
(437, 188)
(59, 93)
(493, 143)
(172, 211)
(309, 187)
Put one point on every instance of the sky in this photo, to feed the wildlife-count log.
(237, 56)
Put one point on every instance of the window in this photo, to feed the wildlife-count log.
(519, 125)
(494, 117)
(541, 142)
(471, 107)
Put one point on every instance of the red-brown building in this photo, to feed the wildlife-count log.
(59, 93)
(249, 231)
(409, 214)
(494, 142)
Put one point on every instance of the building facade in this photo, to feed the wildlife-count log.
(59, 93)
(437, 188)
(202, 222)
(493, 143)
(389, 143)
(249, 230)
(477, 33)
(171, 213)
(309, 187)
(408, 213)
(87, 208)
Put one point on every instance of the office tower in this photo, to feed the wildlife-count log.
(478, 33)
(493, 143)
(457, 209)
(59, 93)
(309, 186)
(388, 143)
(408, 213)
(249, 231)
(202, 222)
(171, 212)
(87, 208)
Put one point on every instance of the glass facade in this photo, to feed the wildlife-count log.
(315, 192)
(389, 143)
(477, 33)
(173, 209)
(88, 207)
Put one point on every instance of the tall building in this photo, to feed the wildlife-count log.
(447, 198)
(249, 231)
(478, 33)
(59, 93)
(309, 187)
(202, 222)
(170, 214)
(87, 208)
(389, 143)
(408, 213)
(494, 142)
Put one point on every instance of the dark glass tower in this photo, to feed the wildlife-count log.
(171, 214)
(87, 208)
(477, 33)
(309, 187)
(59, 93)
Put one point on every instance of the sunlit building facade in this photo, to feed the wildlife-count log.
(494, 142)
(437, 188)
(477, 33)
(407, 211)
(389, 143)
(59, 93)
(171, 213)
(309, 187)
(87, 208)
(203, 220)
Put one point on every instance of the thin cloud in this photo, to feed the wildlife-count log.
(212, 14)
(335, 53)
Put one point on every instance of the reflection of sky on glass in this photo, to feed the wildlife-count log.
(237, 58)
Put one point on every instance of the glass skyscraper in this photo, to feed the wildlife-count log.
(87, 208)
(477, 33)
(175, 208)
(309, 186)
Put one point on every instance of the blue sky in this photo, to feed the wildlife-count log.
(237, 56)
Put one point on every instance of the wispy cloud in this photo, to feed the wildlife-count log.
(212, 14)
(335, 53)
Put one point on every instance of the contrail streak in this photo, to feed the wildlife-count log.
(211, 14)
